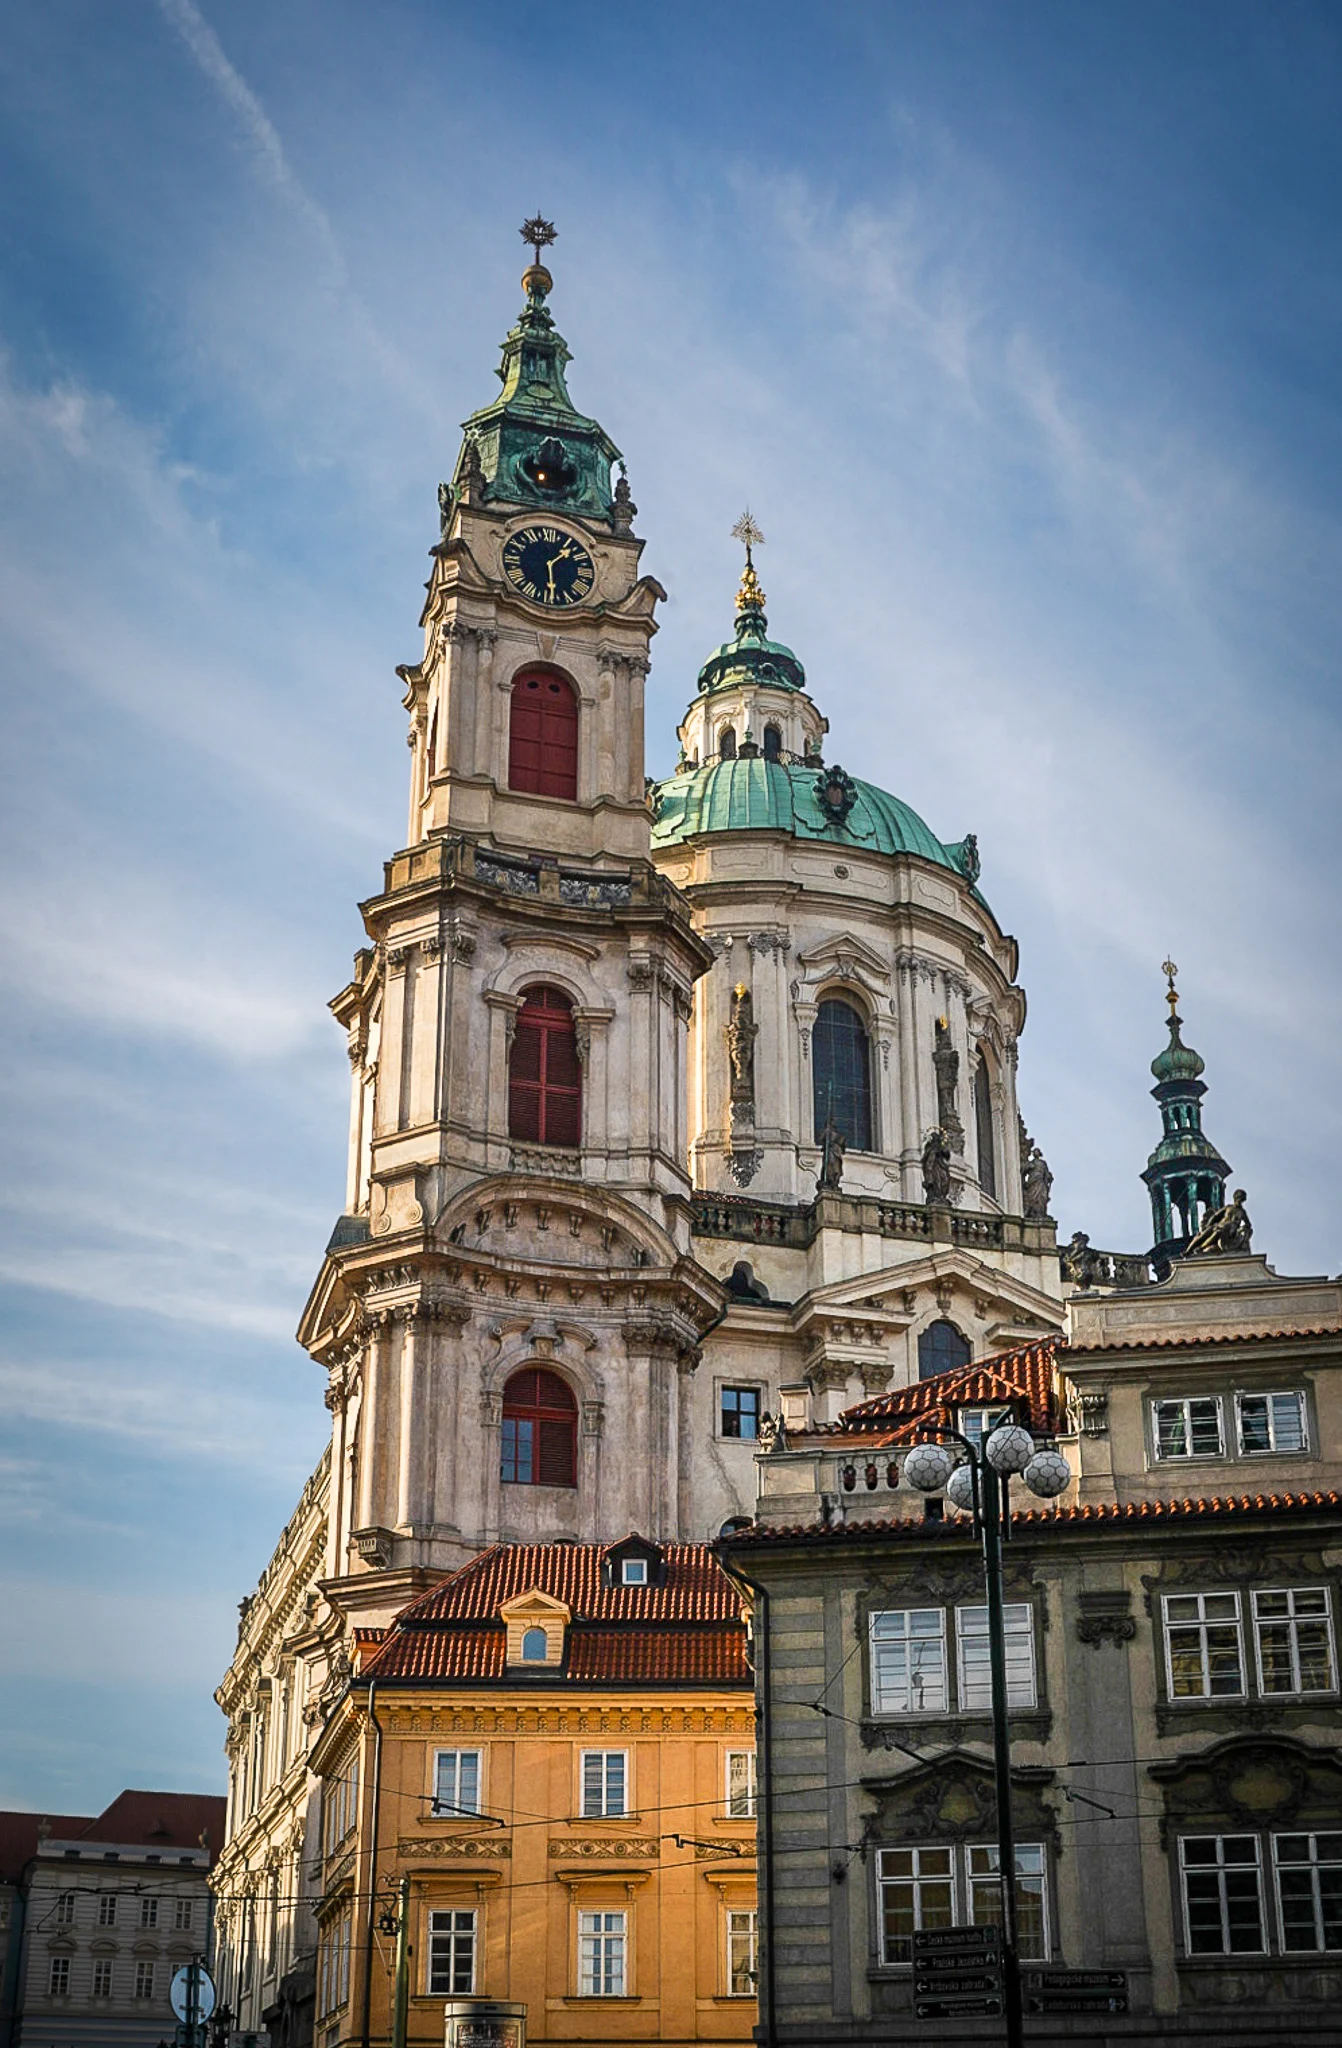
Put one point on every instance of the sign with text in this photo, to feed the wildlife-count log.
(1076, 1991)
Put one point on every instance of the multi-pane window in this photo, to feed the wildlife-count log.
(1271, 1422)
(107, 1909)
(102, 1977)
(64, 1915)
(742, 1952)
(451, 1954)
(945, 1886)
(144, 1980)
(978, 1423)
(340, 1804)
(741, 1784)
(841, 1075)
(1293, 1638)
(985, 1895)
(1309, 1890)
(1203, 1649)
(908, 1661)
(58, 1977)
(456, 1781)
(540, 1430)
(333, 1962)
(183, 1913)
(1223, 1894)
(149, 1912)
(545, 1071)
(601, 1947)
(1188, 1429)
(971, 1626)
(604, 1773)
(739, 1413)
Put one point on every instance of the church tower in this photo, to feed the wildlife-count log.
(509, 1310)
(1185, 1175)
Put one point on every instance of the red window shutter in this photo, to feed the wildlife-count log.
(544, 1073)
(543, 736)
(543, 1413)
(555, 1460)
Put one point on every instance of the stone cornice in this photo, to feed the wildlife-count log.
(521, 1717)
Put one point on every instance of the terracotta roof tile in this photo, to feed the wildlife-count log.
(18, 1837)
(160, 1820)
(1229, 1337)
(687, 1631)
(1029, 1373)
(1091, 1514)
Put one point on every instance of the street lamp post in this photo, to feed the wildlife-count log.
(979, 1483)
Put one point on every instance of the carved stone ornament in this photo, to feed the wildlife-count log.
(954, 1798)
(606, 1848)
(475, 1848)
(836, 793)
(1105, 1618)
(1222, 1235)
(946, 1066)
(936, 1164)
(741, 1033)
(833, 1145)
(1094, 1413)
(744, 1165)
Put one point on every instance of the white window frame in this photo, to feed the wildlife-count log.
(978, 1423)
(743, 1795)
(59, 1967)
(103, 1968)
(107, 1907)
(333, 1962)
(1313, 1863)
(144, 1979)
(149, 1911)
(743, 1927)
(604, 1810)
(1022, 1682)
(183, 1914)
(1187, 1402)
(64, 1915)
(1272, 1449)
(1220, 1867)
(966, 1885)
(443, 1944)
(603, 1953)
(1290, 1621)
(1201, 1621)
(634, 1571)
(892, 1640)
(454, 1807)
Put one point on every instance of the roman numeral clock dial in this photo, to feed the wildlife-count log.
(549, 566)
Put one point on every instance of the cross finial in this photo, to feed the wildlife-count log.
(1169, 970)
(746, 530)
(539, 233)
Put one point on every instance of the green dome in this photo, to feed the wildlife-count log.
(755, 795)
(750, 657)
(1178, 1062)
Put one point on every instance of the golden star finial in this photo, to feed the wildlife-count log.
(539, 233)
(749, 595)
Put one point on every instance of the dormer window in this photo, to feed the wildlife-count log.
(633, 1571)
(535, 1646)
(536, 1626)
(634, 1562)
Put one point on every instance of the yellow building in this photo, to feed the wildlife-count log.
(555, 1747)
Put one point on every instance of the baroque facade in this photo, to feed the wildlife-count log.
(673, 1107)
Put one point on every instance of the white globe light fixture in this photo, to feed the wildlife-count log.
(928, 1467)
(1048, 1473)
(1009, 1448)
(960, 1488)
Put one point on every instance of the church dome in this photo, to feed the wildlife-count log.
(1178, 1062)
(755, 795)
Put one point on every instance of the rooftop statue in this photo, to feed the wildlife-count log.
(833, 1145)
(1228, 1230)
(936, 1167)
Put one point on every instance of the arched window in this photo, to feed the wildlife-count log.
(983, 1127)
(773, 743)
(841, 1074)
(540, 1430)
(535, 1646)
(543, 735)
(941, 1348)
(544, 1074)
(727, 743)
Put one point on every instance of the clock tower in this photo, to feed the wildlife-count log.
(509, 1311)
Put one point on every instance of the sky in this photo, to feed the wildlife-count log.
(1018, 327)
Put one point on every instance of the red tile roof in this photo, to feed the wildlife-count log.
(1218, 1507)
(689, 1630)
(19, 1832)
(1028, 1375)
(1229, 1337)
(161, 1820)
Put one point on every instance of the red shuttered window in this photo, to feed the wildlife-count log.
(540, 1430)
(544, 1075)
(543, 736)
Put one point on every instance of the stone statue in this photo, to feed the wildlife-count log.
(937, 1168)
(1229, 1230)
(741, 1033)
(1036, 1181)
(623, 510)
(1080, 1265)
(771, 1436)
(833, 1145)
(946, 1065)
(444, 509)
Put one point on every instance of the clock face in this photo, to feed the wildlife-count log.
(548, 565)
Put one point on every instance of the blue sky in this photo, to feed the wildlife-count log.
(1018, 327)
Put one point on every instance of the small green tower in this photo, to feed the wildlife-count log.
(1186, 1175)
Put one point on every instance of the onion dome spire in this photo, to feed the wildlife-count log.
(532, 446)
(1185, 1175)
(750, 656)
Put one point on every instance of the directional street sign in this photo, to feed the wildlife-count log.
(1076, 1990)
(930, 1941)
(1075, 2001)
(957, 2008)
(960, 1984)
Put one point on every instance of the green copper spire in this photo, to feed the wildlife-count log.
(1185, 1175)
(750, 656)
(532, 446)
